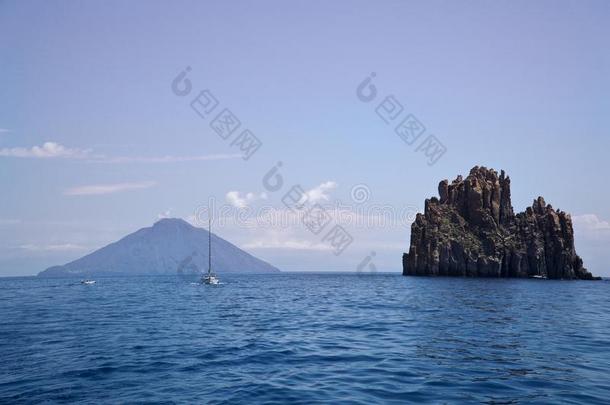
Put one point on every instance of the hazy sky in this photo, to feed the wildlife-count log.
(94, 144)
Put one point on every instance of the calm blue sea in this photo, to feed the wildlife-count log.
(304, 338)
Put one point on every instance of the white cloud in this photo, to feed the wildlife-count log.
(590, 228)
(53, 247)
(46, 151)
(590, 222)
(320, 193)
(3, 130)
(235, 199)
(55, 150)
(100, 189)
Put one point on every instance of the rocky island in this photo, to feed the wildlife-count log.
(472, 231)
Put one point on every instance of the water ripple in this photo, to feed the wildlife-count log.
(304, 338)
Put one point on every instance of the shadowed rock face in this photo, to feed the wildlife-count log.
(472, 231)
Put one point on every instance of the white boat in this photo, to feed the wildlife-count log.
(88, 282)
(210, 278)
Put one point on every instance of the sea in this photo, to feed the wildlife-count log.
(304, 338)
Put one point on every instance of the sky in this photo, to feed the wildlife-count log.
(99, 136)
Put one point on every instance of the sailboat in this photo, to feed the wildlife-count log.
(210, 277)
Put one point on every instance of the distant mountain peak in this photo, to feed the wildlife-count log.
(163, 248)
(176, 222)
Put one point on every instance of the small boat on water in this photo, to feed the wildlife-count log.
(88, 282)
(210, 278)
(538, 277)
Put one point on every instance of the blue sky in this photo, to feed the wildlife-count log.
(520, 86)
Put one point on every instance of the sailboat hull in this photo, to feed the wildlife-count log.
(211, 280)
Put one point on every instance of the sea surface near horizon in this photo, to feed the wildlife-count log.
(304, 338)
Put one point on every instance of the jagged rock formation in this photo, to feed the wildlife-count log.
(472, 231)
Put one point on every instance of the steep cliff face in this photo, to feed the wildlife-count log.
(471, 230)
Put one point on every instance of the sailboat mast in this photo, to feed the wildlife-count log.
(209, 246)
